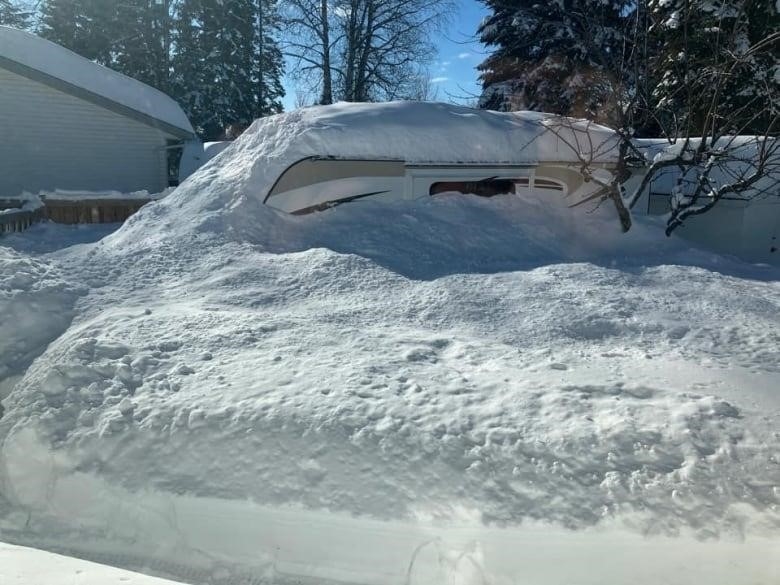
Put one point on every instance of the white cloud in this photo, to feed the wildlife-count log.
(464, 55)
(445, 63)
(439, 79)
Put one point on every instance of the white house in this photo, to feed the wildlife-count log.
(69, 123)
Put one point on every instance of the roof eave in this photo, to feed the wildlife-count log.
(98, 100)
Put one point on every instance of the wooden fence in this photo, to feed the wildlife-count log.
(69, 211)
(92, 210)
(17, 220)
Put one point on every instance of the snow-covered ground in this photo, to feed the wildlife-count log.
(27, 566)
(450, 390)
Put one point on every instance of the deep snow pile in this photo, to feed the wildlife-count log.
(23, 566)
(36, 306)
(242, 390)
(400, 383)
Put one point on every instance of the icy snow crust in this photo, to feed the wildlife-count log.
(57, 61)
(449, 390)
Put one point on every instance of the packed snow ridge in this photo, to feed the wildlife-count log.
(238, 392)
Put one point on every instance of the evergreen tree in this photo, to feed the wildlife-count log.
(219, 58)
(560, 57)
(716, 53)
(86, 27)
(270, 62)
(227, 64)
(13, 15)
(142, 45)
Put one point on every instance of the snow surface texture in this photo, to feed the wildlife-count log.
(27, 566)
(36, 306)
(432, 391)
(56, 61)
(212, 149)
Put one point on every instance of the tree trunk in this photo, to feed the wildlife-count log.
(361, 87)
(327, 80)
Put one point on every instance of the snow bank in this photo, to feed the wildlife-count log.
(252, 412)
(212, 149)
(36, 306)
(46, 237)
(24, 566)
(221, 542)
(56, 61)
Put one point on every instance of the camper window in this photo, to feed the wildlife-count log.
(483, 188)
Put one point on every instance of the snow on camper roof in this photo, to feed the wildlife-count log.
(438, 133)
(54, 61)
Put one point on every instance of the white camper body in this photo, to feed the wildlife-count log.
(313, 184)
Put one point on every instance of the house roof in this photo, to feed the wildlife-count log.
(49, 63)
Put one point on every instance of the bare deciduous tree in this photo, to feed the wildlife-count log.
(309, 42)
(362, 50)
(707, 140)
(422, 88)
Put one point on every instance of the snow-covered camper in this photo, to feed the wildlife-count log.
(69, 123)
(322, 156)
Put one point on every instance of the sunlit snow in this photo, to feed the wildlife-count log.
(449, 390)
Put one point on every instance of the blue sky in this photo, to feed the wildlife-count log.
(454, 71)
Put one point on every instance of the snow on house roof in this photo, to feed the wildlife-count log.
(54, 61)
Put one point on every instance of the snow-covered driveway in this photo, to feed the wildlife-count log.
(399, 392)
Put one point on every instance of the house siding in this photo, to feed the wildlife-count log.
(52, 140)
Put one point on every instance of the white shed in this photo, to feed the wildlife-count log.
(745, 225)
(69, 123)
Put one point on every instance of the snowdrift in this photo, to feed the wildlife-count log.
(450, 390)
(36, 306)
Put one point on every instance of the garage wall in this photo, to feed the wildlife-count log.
(52, 140)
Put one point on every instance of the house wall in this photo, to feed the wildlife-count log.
(52, 140)
(746, 228)
(761, 229)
